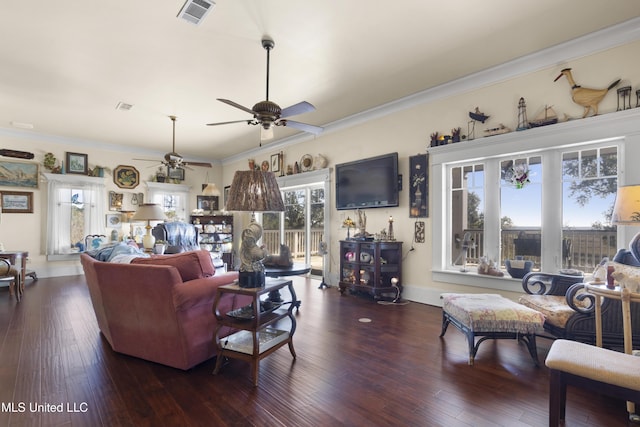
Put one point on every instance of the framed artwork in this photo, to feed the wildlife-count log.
(17, 201)
(226, 194)
(115, 201)
(419, 181)
(175, 173)
(126, 176)
(77, 163)
(275, 162)
(419, 232)
(207, 203)
(18, 174)
(113, 220)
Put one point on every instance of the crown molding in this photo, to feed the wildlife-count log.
(610, 37)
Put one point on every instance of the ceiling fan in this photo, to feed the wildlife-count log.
(173, 159)
(268, 114)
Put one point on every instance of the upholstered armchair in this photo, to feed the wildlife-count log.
(569, 310)
(179, 236)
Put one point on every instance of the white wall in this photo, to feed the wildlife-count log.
(406, 132)
(27, 231)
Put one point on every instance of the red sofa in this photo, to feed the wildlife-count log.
(159, 308)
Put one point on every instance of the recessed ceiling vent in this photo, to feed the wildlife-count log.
(194, 11)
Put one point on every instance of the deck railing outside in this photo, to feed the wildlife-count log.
(582, 249)
(294, 239)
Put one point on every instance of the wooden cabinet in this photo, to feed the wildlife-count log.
(370, 267)
(216, 236)
(260, 327)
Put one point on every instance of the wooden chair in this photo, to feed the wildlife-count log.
(8, 273)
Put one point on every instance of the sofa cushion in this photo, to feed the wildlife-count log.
(555, 309)
(191, 265)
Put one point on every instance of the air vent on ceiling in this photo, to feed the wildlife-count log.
(194, 11)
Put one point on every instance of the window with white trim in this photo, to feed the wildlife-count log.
(76, 208)
(505, 207)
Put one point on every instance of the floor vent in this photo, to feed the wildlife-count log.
(194, 11)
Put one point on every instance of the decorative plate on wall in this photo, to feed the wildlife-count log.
(126, 176)
(306, 163)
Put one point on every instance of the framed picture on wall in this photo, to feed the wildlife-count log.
(419, 185)
(17, 201)
(275, 162)
(77, 163)
(207, 203)
(175, 173)
(19, 174)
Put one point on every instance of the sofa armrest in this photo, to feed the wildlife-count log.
(201, 291)
(580, 300)
(538, 283)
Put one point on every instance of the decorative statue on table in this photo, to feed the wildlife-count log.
(251, 274)
(362, 227)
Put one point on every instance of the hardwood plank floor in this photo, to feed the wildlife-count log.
(392, 371)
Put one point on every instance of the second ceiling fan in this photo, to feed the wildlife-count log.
(268, 114)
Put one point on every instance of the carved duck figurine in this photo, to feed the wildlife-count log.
(586, 97)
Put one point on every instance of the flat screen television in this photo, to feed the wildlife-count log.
(367, 183)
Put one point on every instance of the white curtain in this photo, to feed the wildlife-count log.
(60, 192)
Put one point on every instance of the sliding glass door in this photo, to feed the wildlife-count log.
(301, 226)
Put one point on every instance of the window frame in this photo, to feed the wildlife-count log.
(621, 129)
(55, 181)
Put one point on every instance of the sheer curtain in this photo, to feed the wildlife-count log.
(63, 192)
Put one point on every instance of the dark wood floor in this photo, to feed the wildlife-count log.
(392, 371)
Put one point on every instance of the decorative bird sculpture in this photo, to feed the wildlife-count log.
(588, 98)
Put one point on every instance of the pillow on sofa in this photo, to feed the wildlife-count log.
(191, 265)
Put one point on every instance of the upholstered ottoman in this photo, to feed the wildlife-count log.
(491, 316)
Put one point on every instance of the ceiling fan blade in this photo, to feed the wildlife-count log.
(204, 165)
(149, 160)
(235, 104)
(226, 123)
(303, 126)
(299, 108)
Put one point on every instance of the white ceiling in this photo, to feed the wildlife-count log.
(67, 63)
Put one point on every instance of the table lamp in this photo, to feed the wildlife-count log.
(126, 218)
(253, 191)
(626, 210)
(211, 190)
(148, 212)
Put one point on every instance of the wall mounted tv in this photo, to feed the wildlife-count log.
(368, 183)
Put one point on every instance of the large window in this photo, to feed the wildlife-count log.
(506, 221)
(76, 207)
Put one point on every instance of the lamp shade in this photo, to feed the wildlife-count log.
(149, 212)
(211, 190)
(626, 209)
(254, 191)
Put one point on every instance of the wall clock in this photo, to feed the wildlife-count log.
(126, 176)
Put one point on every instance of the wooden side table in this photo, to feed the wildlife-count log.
(600, 291)
(258, 333)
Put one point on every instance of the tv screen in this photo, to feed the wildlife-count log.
(367, 183)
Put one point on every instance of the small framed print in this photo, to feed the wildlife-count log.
(275, 162)
(175, 173)
(419, 232)
(207, 203)
(77, 163)
(113, 220)
(17, 202)
(226, 194)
